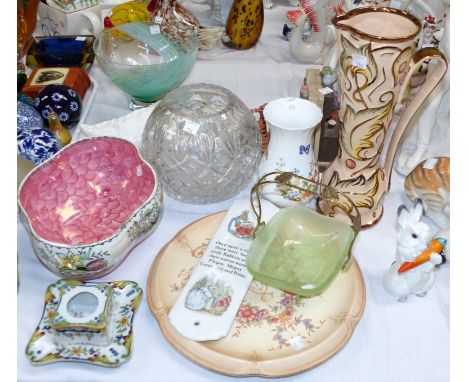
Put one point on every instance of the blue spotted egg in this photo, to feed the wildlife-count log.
(63, 100)
(27, 117)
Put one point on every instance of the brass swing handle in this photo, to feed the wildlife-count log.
(328, 193)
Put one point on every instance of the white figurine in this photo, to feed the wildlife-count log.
(316, 16)
(434, 114)
(413, 237)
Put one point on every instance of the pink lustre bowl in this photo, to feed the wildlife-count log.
(87, 206)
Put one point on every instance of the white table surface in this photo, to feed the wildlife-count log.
(393, 341)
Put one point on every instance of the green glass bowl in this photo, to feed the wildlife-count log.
(300, 251)
(145, 62)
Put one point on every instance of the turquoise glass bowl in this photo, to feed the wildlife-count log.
(143, 61)
(300, 251)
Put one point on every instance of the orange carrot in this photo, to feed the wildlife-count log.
(435, 246)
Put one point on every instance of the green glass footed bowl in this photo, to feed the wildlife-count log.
(144, 61)
(300, 251)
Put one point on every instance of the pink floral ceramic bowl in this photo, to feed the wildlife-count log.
(89, 205)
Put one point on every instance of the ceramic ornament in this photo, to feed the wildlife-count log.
(430, 182)
(416, 258)
(375, 66)
(62, 99)
(291, 123)
(209, 301)
(86, 322)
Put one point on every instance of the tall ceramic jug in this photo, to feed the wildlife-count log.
(291, 123)
(376, 62)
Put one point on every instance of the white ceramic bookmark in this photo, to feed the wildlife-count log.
(208, 304)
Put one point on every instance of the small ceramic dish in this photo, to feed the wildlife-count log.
(86, 322)
(89, 205)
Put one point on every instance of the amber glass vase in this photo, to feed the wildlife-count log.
(244, 24)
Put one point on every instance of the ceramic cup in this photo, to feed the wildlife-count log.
(54, 21)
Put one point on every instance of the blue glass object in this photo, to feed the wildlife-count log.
(63, 100)
(59, 51)
(144, 61)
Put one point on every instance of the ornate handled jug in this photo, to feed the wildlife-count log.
(376, 62)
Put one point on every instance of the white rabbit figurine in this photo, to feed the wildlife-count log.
(413, 237)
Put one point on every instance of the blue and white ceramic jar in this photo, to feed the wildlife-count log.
(27, 117)
(36, 144)
(34, 141)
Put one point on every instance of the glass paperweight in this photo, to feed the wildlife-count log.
(144, 61)
(61, 51)
(204, 143)
(298, 250)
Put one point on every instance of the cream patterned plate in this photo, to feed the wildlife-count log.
(275, 333)
(42, 348)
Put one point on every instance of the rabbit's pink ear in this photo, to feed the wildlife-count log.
(403, 215)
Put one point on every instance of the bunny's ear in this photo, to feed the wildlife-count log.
(418, 209)
(403, 215)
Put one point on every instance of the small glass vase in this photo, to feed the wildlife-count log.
(244, 24)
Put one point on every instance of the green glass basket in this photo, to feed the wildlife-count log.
(299, 250)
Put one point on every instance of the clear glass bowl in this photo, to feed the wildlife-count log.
(203, 142)
(144, 61)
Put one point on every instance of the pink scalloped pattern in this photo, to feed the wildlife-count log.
(85, 193)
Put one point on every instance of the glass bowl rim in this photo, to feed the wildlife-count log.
(99, 56)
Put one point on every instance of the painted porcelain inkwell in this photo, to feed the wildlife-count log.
(86, 322)
(82, 315)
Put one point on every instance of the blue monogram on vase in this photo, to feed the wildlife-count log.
(304, 149)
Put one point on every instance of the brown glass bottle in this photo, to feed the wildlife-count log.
(244, 24)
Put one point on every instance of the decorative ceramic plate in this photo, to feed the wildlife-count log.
(42, 348)
(275, 333)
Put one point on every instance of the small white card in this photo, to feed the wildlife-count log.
(359, 61)
(208, 304)
(155, 29)
(326, 90)
(139, 170)
(80, 38)
(191, 127)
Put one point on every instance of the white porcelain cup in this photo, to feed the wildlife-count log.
(56, 22)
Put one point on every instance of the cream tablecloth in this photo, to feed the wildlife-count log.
(393, 341)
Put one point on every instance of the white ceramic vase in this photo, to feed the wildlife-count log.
(291, 123)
